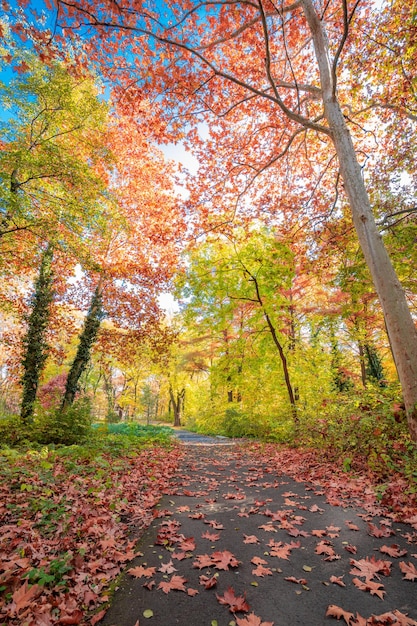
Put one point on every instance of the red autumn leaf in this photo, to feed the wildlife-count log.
(192, 592)
(140, 571)
(236, 604)
(203, 560)
(167, 568)
(282, 550)
(176, 583)
(335, 611)
(208, 582)
(24, 595)
(223, 560)
(374, 531)
(252, 620)
(324, 547)
(351, 549)
(262, 571)
(268, 528)
(370, 567)
(73, 619)
(250, 539)
(214, 524)
(337, 580)
(374, 588)
(149, 585)
(395, 551)
(97, 617)
(187, 545)
(351, 526)
(256, 560)
(298, 581)
(210, 536)
(409, 570)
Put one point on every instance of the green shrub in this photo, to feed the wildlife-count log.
(13, 430)
(68, 426)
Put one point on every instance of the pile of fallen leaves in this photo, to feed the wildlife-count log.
(395, 496)
(66, 527)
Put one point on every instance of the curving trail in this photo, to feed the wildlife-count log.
(239, 542)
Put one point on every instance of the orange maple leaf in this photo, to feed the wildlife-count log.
(394, 550)
(252, 620)
(176, 582)
(23, 596)
(335, 611)
(236, 603)
(224, 560)
(374, 588)
(409, 570)
(140, 571)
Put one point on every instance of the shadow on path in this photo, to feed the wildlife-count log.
(233, 522)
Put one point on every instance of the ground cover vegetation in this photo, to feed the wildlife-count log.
(290, 248)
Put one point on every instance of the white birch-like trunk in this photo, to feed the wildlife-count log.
(400, 326)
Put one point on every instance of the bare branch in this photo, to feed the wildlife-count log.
(346, 23)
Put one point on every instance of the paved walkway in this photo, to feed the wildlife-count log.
(231, 523)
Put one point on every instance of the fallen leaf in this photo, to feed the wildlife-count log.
(374, 588)
(140, 571)
(335, 611)
(252, 620)
(395, 551)
(167, 568)
(176, 583)
(370, 566)
(236, 604)
(409, 570)
(208, 582)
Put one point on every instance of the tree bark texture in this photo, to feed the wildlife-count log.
(399, 323)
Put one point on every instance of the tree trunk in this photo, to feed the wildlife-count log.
(177, 404)
(279, 347)
(36, 349)
(87, 338)
(399, 323)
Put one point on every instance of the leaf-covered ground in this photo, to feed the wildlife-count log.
(67, 528)
(260, 535)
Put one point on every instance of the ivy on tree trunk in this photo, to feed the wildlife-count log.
(87, 338)
(35, 346)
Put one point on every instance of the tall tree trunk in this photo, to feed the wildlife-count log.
(36, 348)
(177, 404)
(399, 323)
(87, 338)
(274, 335)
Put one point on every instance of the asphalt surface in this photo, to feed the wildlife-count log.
(286, 542)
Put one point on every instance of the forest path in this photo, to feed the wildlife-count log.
(240, 523)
